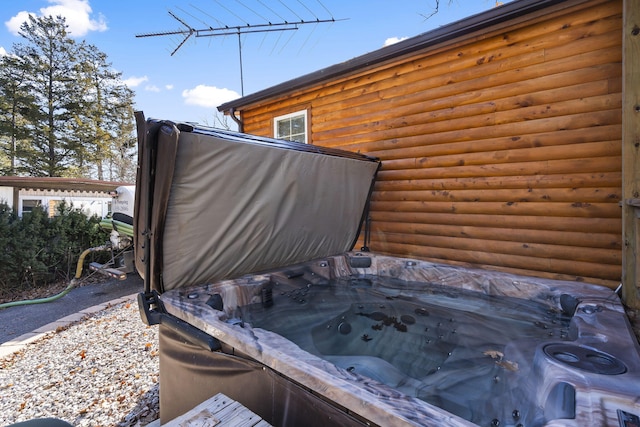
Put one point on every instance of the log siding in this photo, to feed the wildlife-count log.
(499, 149)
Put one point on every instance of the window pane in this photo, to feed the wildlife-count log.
(29, 205)
(297, 125)
(298, 138)
(283, 129)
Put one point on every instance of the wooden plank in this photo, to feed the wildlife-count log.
(569, 194)
(631, 154)
(540, 181)
(549, 167)
(600, 256)
(218, 411)
(507, 155)
(236, 415)
(585, 238)
(577, 224)
(578, 209)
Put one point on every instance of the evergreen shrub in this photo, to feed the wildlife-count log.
(39, 250)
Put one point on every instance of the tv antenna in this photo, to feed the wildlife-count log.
(239, 30)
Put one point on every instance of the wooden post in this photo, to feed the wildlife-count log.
(16, 201)
(631, 153)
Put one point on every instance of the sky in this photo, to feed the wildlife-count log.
(205, 71)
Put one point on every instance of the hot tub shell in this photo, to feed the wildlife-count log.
(262, 360)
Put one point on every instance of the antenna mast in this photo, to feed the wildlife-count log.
(238, 30)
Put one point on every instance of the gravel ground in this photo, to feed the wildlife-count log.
(102, 371)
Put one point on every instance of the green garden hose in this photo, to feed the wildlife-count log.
(71, 285)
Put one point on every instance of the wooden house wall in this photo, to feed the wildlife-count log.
(502, 150)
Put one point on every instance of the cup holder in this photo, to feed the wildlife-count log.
(585, 358)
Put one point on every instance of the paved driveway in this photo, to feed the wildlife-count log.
(15, 321)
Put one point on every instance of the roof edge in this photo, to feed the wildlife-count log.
(441, 34)
(59, 183)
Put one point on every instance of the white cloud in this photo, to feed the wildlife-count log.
(13, 24)
(208, 96)
(76, 12)
(393, 40)
(3, 51)
(168, 87)
(134, 81)
(152, 88)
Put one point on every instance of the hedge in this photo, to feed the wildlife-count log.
(39, 250)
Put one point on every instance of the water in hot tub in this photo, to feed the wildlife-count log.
(463, 351)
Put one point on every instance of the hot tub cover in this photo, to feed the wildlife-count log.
(217, 204)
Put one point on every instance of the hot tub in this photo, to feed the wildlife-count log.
(389, 341)
(324, 336)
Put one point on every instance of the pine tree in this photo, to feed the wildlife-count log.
(123, 154)
(15, 100)
(64, 111)
(48, 59)
(105, 111)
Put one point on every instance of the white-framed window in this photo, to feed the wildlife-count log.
(292, 127)
(28, 205)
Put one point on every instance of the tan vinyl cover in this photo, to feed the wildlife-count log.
(234, 206)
